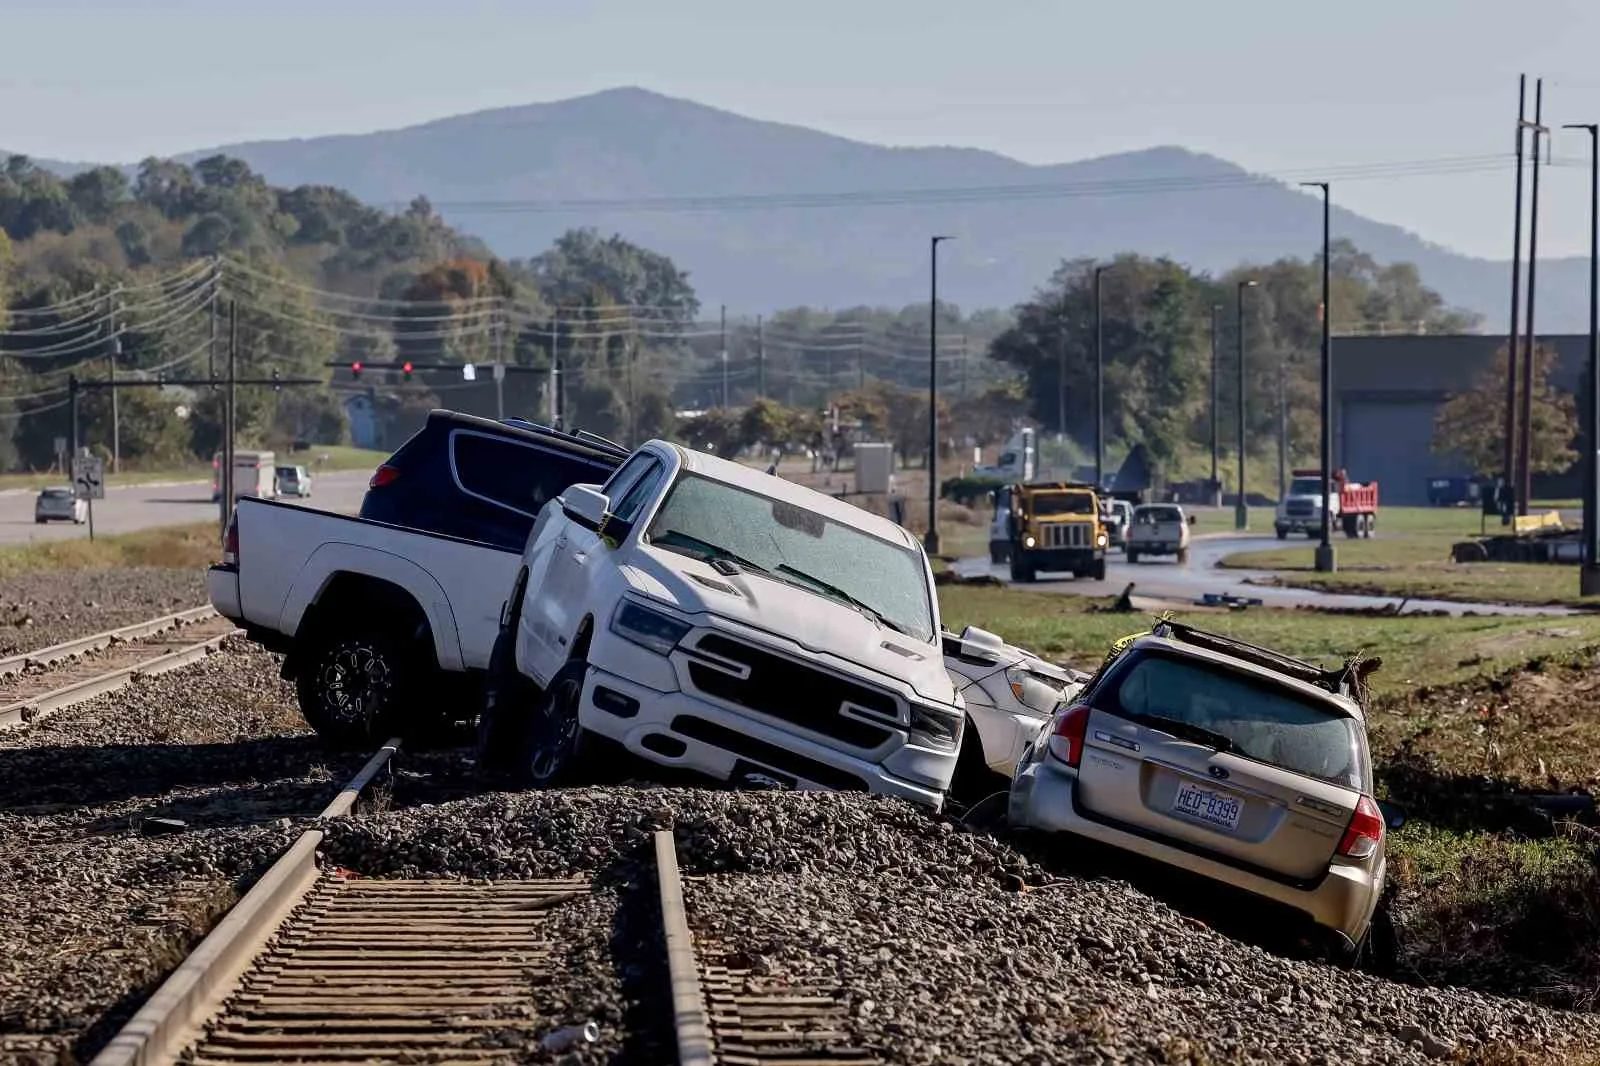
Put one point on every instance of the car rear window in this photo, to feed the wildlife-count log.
(1158, 514)
(57, 494)
(1266, 722)
(515, 475)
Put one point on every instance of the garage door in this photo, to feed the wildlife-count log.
(1392, 442)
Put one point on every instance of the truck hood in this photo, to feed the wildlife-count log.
(818, 624)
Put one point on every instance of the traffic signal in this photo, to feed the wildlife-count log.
(406, 369)
(355, 370)
(276, 386)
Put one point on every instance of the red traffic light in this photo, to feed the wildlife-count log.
(355, 370)
(406, 369)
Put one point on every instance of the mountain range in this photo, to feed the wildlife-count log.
(766, 215)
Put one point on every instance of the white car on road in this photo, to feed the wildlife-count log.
(709, 617)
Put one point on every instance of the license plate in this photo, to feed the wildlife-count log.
(1213, 808)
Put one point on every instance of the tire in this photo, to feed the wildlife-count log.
(554, 749)
(1098, 571)
(1183, 556)
(1368, 522)
(1283, 534)
(1021, 571)
(1379, 950)
(973, 781)
(350, 684)
(1133, 557)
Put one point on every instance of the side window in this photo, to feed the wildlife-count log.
(555, 473)
(627, 509)
(500, 471)
(625, 477)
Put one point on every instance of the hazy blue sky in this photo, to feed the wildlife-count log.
(1273, 85)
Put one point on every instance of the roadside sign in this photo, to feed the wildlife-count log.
(469, 372)
(89, 477)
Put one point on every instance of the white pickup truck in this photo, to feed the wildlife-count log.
(709, 617)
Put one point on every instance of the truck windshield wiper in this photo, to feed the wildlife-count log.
(1187, 731)
(677, 540)
(840, 594)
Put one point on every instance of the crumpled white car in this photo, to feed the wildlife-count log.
(1010, 693)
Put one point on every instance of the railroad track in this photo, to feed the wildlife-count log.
(315, 967)
(40, 682)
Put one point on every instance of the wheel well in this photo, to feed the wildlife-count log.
(370, 603)
(580, 643)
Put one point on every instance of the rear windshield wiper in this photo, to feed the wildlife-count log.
(1187, 731)
(840, 594)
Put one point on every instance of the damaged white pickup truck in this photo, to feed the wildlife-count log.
(709, 617)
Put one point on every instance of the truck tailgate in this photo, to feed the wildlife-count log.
(289, 554)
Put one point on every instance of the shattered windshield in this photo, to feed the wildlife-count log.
(712, 519)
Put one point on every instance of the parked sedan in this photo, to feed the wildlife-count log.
(1228, 761)
(58, 503)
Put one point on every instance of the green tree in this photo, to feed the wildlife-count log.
(1471, 424)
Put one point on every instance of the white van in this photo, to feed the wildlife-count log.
(254, 474)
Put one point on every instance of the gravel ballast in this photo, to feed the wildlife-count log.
(40, 609)
(100, 901)
(952, 946)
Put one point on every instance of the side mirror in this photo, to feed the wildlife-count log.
(1394, 815)
(586, 505)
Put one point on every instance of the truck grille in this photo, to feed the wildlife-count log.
(793, 692)
(1064, 534)
(1300, 508)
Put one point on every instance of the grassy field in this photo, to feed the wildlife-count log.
(1470, 718)
(338, 457)
(195, 546)
(1411, 557)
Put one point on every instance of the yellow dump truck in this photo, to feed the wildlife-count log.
(1056, 525)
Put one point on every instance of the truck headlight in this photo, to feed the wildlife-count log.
(1100, 541)
(937, 727)
(647, 628)
(1027, 541)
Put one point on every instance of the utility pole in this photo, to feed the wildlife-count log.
(761, 361)
(1589, 574)
(1283, 427)
(555, 371)
(931, 541)
(112, 352)
(211, 348)
(1509, 461)
(1525, 442)
(724, 357)
(497, 337)
(231, 415)
(1061, 374)
(1325, 560)
(1099, 384)
(1216, 436)
(963, 366)
(1241, 509)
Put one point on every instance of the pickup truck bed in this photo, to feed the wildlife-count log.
(382, 626)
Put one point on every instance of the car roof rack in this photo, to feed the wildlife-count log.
(1344, 681)
(605, 442)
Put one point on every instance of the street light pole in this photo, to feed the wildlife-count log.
(1241, 510)
(1216, 436)
(1099, 384)
(1325, 559)
(1525, 401)
(1509, 460)
(931, 540)
(1589, 573)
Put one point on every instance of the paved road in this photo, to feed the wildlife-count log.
(135, 507)
(1164, 578)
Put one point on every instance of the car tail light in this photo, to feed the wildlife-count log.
(384, 475)
(1365, 833)
(1067, 732)
(230, 542)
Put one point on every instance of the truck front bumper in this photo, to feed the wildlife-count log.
(1300, 523)
(682, 731)
(1061, 558)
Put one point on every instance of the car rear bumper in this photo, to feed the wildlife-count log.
(1340, 904)
(1156, 547)
(678, 730)
(222, 589)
